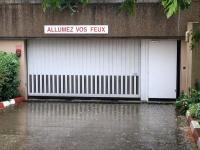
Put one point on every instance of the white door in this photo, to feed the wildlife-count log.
(162, 68)
(84, 67)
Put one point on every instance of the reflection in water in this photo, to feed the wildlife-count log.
(77, 111)
(76, 114)
(88, 126)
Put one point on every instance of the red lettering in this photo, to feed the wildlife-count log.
(49, 29)
(98, 29)
(103, 29)
(69, 29)
(81, 29)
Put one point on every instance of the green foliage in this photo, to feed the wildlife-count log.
(194, 110)
(50, 4)
(72, 5)
(194, 96)
(185, 100)
(195, 38)
(9, 66)
(172, 6)
(128, 6)
(182, 103)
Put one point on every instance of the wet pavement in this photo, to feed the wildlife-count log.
(89, 126)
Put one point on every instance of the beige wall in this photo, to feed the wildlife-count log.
(190, 58)
(10, 46)
(184, 67)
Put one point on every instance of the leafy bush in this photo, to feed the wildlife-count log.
(9, 66)
(194, 96)
(183, 102)
(194, 110)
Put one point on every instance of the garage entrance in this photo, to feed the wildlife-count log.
(84, 67)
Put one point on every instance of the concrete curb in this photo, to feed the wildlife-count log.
(195, 128)
(14, 101)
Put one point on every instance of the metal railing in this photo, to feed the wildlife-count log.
(84, 85)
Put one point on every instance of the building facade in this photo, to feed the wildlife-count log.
(144, 56)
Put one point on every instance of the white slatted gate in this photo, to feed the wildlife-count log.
(84, 67)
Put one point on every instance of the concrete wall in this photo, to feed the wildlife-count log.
(10, 46)
(28, 20)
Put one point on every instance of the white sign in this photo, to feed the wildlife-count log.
(76, 29)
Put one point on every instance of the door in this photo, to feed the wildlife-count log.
(84, 67)
(162, 68)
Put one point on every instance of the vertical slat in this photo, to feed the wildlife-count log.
(61, 82)
(109, 84)
(86, 84)
(70, 89)
(41, 83)
(99, 84)
(135, 84)
(29, 88)
(83, 85)
(91, 82)
(33, 84)
(55, 84)
(36, 77)
(113, 83)
(104, 85)
(45, 84)
(130, 86)
(78, 84)
(30, 83)
(126, 85)
(66, 83)
(49, 83)
(57, 79)
(74, 84)
(122, 84)
(52, 83)
(117, 85)
(130, 83)
(95, 77)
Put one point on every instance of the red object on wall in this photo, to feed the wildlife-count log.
(1, 105)
(18, 52)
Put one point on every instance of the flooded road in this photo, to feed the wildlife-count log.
(88, 126)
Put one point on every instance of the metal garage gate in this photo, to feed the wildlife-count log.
(84, 67)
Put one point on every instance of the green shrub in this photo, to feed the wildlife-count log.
(9, 66)
(194, 110)
(194, 96)
(182, 103)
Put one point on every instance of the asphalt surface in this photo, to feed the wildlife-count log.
(90, 126)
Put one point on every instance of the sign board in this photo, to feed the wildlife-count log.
(76, 29)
